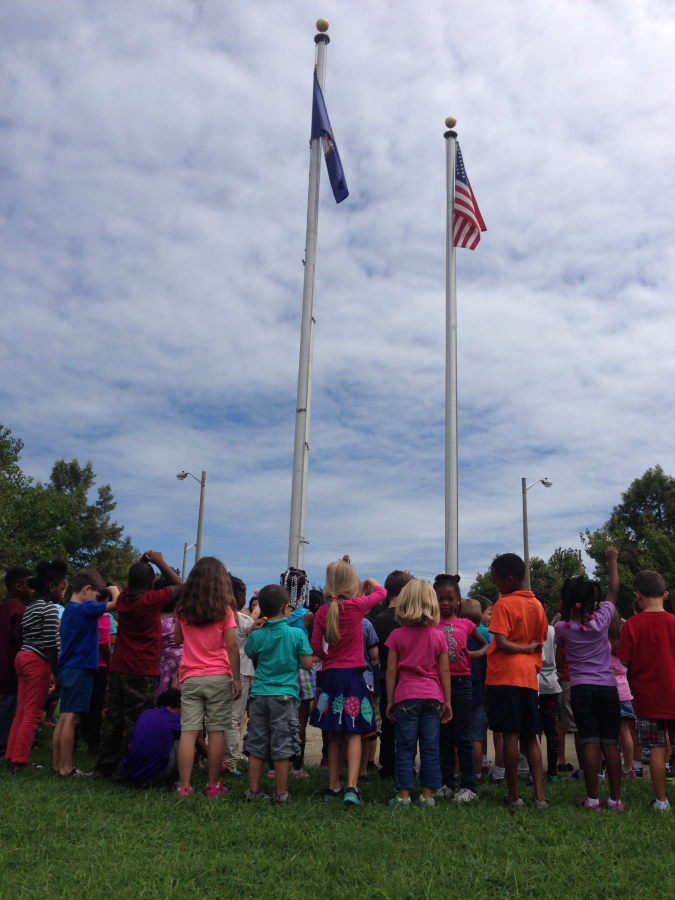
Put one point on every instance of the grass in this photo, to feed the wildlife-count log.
(89, 840)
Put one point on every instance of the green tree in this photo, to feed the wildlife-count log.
(484, 586)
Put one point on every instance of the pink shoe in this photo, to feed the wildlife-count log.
(582, 802)
(616, 807)
(300, 773)
(184, 792)
(630, 774)
(272, 774)
(215, 790)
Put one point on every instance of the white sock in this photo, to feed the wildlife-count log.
(611, 802)
(661, 804)
(593, 802)
(485, 760)
(498, 773)
(637, 765)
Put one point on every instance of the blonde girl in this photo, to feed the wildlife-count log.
(342, 706)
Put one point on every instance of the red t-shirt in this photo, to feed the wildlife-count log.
(11, 638)
(647, 644)
(139, 633)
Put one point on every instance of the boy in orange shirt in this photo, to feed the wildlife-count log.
(520, 627)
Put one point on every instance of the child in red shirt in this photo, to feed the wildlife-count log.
(647, 649)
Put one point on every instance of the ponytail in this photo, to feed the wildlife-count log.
(333, 622)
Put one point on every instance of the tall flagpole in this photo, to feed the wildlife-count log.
(451, 460)
(296, 539)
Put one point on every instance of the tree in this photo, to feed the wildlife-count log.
(484, 586)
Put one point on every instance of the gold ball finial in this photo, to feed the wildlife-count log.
(451, 121)
(322, 25)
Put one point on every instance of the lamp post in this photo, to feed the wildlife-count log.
(202, 482)
(526, 540)
(186, 547)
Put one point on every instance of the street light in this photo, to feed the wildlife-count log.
(202, 482)
(186, 547)
(526, 541)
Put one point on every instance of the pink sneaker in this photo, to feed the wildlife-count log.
(616, 807)
(630, 774)
(184, 792)
(215, 790)
(300, 773)
(272, 774)
(582, 802)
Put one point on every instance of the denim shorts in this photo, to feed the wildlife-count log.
(626, 710)
(478, 724)
(76, 685)
(273, 727)
(597, 713)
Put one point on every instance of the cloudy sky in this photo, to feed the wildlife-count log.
(154, 161)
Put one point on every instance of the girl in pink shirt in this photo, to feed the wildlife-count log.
(418, 685)
(625, 697)
(209, 670)
(342, 706)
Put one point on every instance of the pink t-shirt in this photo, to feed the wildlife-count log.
(348, 652)
(103, 639)
(456, 633)
(620, 673)
(418, 675)
(204, 651)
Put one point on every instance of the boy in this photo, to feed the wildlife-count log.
(647, 649)
(471, 609)
(152, 759)
(12, 609)
(276, 650)
(520, 627)
(78, 662)
(134, 669)
(246, 673)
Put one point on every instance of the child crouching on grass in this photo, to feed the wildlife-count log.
(273, 729)
(418, 683)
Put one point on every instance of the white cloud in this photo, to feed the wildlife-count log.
(154, 172)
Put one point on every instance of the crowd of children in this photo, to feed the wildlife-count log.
(160, 674)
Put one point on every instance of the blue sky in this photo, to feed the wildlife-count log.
(154, 164)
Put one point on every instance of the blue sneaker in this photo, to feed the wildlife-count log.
(400, 801)
(352, 795)
(329, 795)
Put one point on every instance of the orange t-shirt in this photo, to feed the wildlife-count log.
(520, 617)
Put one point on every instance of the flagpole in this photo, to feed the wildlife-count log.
(451, 457)
(296, 540)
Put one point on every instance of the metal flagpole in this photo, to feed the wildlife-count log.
(451, 463)
(296, 539)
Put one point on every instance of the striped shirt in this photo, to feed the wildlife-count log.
(40, 627)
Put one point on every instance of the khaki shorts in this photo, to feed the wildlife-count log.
(566, 708)
(207, 696)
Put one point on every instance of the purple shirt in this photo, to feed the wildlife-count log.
(154, 735)
(588, 651)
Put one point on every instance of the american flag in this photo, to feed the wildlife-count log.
(468, 222)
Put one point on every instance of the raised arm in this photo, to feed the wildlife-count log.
(612, 556)
(156, 558)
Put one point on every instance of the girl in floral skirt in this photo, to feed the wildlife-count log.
(342, 706)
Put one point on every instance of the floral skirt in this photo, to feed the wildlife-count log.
(342, 702)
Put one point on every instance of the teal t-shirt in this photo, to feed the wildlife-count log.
(482, 629)
(278, 648)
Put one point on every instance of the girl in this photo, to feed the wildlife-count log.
(455, 734)
(209, 670)
(549, 702)
(342, 707)
(418, 683)
(170, 655)
(594, 695)
(297, 584)
(625, 697)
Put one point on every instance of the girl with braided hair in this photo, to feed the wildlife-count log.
(297, 584)
(582, 631)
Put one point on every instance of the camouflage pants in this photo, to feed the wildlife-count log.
(128, 697)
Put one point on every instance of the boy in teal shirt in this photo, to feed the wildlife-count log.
(276, 650)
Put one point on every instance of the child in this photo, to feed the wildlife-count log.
(625, 697)
(456, 733)
(170, 655)
(549, 703)
(297, 584)
(246, 673)
(277, 650)
(478, 728)
(418, 683)
(209, 670)
(78, 662)
(647, 649)
(92, 721)
(134, 668)
(12, 609)
(595, 699)
(385, 623)
(35, 665)
(371, 659)
(519, 627)
(342, 707)
(152, 758)
(486, 607)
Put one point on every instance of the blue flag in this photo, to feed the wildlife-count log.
(321, 129)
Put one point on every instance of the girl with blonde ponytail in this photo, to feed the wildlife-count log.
(342, 706)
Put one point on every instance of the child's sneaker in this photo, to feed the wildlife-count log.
(400, 801)
(329, 794)
(614, 806)
(584, 803)
(425, 802)
(255, 796)
(496, 779)
(271, 774)
(465, 796)
(541, 804)
(215, 790)
(514, 804)
(446, 793)
(552, 779)
(485, 767)
(184, 792)
(565, 767)
(660, 805)
(630, 774)
(578, 775)
(282, 798)
(352, 796)
(300, 773)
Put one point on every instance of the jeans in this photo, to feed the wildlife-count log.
(7, 711)
(417, 720)
(34, 674)
(456, 734)
(387, 738)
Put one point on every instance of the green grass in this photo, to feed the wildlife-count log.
(89, 839)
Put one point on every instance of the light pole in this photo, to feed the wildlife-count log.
(202, 482)
(186, 547)
(526, 540)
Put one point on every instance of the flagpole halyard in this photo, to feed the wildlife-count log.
(296, 540)
(451, 451)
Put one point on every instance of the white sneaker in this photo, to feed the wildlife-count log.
(445, 792)
(465, 796)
